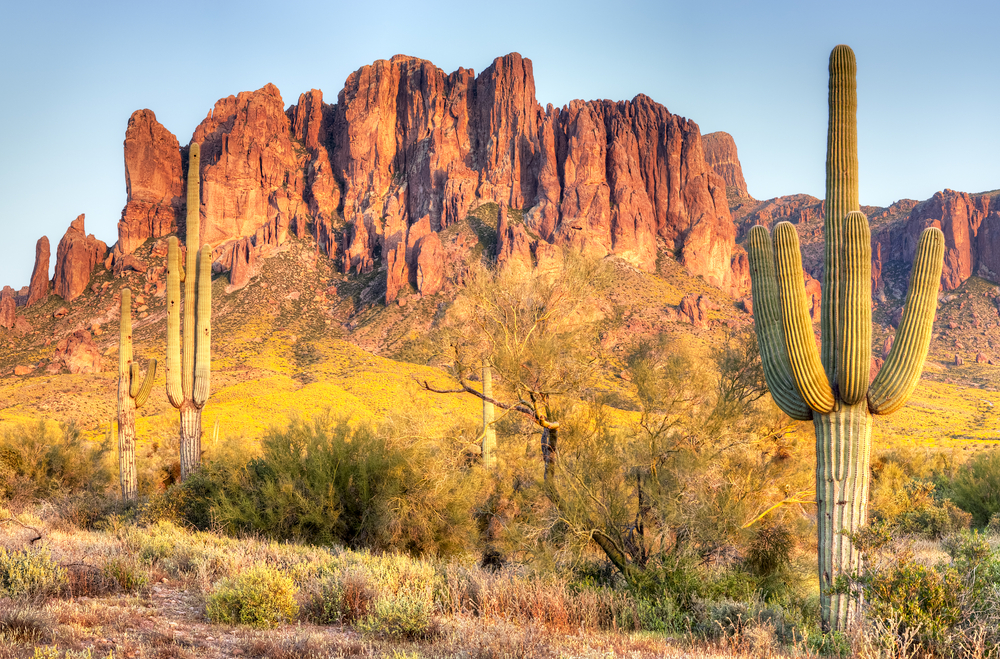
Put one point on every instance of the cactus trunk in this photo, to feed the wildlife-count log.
(190, 438)
(843, 453)
(126, 440)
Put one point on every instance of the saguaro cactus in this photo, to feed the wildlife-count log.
(132, 394)
(489, 433)
(831, 386)
(188, 371)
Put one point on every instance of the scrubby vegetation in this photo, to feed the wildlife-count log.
(390, 537)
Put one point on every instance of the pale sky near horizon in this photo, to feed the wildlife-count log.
(72, 73)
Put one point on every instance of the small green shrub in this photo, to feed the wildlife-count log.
(40, 461)
(407, 616)
(30, 573)
(129, 574)
(976, 489)
(260, 597)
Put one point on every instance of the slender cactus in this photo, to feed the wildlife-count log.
(832, 386)
(489, 433)
(132, 394)
(189, 369)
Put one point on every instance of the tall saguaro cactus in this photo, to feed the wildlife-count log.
(189, 370)
(831, 386)
(132, 394)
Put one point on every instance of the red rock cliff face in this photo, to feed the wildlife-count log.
(971, 226)
(154, 182)
(721, 156)
(607, 178)
(251, 173)
(76, 257)
(408, 150)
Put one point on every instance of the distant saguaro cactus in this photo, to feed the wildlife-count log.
(489, 433)
(188, 371)
(132, 394)
(833, 389)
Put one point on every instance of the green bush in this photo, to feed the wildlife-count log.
(260, 597)
(129, 574)
(39, 461)
(328, 481)
(913, 506)
(30, 573)
(406, 615)
(976, 489)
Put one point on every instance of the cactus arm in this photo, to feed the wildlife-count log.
(135, 382)
(854, 353)
(174, 391)
(147, 384)
(841, 194)
(901, 372)
(125, 334)
(203, 362)
(802, 354)
(767, 322)
(193, 244)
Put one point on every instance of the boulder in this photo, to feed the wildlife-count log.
(78, 354)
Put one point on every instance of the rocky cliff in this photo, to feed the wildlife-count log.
(408, 150)
(721, 155)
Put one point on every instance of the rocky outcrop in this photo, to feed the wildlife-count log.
(971, 226)
(430, 264)
(38, 289)
(606, 178)
(154, 183)
(77, 354)
(721, 156)
(406, 143)
(695, 309)
(76, 257)
(251, 173)
(8, 307)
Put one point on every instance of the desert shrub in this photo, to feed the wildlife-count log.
(41, 460)
(929, 607)
(328, 481)
(24, 625)
(30, 573)
(976, 488)
(260, 597)
(407, 615)
(129, 574)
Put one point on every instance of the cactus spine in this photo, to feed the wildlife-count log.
(832, 387)
(132, 394)
(189, 370)
(489, 433)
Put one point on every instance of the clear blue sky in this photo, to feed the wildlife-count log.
(73, 72)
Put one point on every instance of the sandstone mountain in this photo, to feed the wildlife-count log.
(376, 180)
(408, 150)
